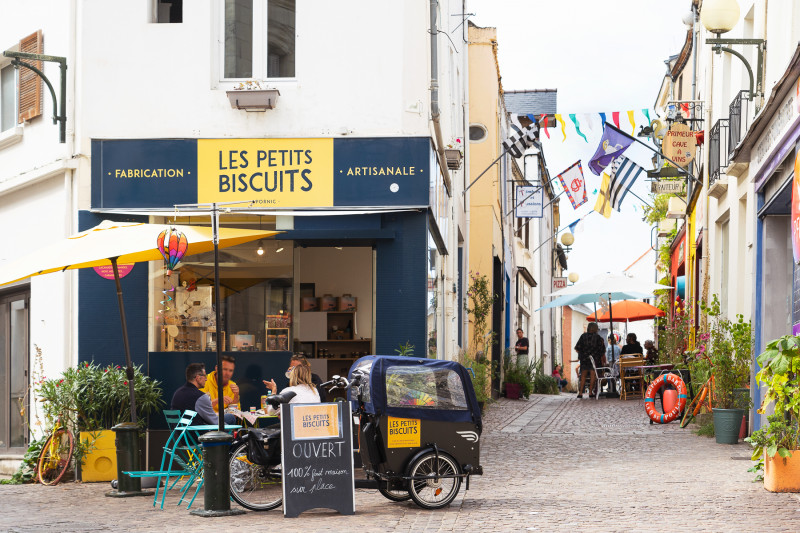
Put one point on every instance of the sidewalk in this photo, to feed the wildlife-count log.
(552, 463)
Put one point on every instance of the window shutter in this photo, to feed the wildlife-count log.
(30, 84)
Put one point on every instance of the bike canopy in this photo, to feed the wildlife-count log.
(411, 387)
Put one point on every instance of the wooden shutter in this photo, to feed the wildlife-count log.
(30, 85)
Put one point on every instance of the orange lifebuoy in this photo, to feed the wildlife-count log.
(650, 398)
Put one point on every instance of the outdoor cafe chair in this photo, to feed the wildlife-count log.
(631, 376)
(180, 458)
(602, 374)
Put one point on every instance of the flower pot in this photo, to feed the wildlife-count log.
(99, 464)
(782, 475)
(727, 423)
(513, 391)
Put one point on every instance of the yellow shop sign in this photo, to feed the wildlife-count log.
(404, 432)
(267, 172)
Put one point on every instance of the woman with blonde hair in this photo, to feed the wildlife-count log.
(299, 383)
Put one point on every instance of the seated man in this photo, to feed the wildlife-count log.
(230, 391)
(190, 397)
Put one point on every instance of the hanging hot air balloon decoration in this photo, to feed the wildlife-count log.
(172, 244)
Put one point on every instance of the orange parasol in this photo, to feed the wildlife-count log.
(628, 311)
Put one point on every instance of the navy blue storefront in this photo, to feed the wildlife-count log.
(380, 190)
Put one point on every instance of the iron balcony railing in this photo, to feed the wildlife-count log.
(738, 114)
(717, 149)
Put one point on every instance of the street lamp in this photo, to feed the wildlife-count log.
(573, 277)
(567, 239)
(720, 16)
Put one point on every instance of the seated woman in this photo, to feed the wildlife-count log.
(299, 383)
(557, 375)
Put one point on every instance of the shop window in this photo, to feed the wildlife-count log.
(422, 387)
(14, 342)
(258, 39)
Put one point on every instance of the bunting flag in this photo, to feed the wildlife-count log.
(612, 144)
(519, 138)
(576, 190)
(615, 116)
(624, 173)
(646, 113)
(563, 126)
(603, 204)
(633, 122)
(603, 120)
(577, 128)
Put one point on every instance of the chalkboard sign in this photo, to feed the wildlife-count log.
(317, 465)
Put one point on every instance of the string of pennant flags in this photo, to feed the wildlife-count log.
(581, 122)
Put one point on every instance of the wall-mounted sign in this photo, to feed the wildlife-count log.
(679, 144)
(559, 283)
(667, 187)
(270, 173)
(317, 458)
(529, 202)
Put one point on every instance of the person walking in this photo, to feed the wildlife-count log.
(589, 345)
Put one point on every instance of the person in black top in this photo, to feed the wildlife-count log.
(590, 345)
(190, 397)
(632, 346)
(521, 347)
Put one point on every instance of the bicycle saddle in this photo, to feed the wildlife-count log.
(276, 399)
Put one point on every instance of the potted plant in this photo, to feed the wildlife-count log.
(517, 376)
(250, 96)
(730, 348)
(94, 399)
(481, 371)
(777, 445)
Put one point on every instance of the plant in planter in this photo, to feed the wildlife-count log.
(518, 377)
(730, 346)
(482, 371)
(776, 443)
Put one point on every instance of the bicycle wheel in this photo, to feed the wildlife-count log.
(693, 407)
(55, 457)
(393, 492)
(254, 487)
(434, 493)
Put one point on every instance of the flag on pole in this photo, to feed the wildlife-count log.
(612, 144)
(624, 172)
(574, 184)
(603, 203)
(519, 138)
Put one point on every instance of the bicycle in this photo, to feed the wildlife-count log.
(56, 455)
(704, 397)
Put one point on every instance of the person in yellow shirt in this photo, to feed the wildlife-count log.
(230, 391)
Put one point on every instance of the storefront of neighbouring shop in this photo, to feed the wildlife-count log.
(352, 272)
(772, 148)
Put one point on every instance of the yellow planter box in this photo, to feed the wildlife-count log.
(100, 464)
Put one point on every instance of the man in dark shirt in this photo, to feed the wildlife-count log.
(521, 347)
(632, 346)
(190, 397)
(589, 346)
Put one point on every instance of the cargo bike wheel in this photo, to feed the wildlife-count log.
(426, 487)
(255, 487)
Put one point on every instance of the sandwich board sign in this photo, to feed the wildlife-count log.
(317, 458)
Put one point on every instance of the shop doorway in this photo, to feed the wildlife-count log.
(14, 342)
(497, 321)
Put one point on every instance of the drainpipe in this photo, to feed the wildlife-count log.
(437, 129)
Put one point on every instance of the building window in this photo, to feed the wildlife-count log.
(167, 11)
(259, 39)
(8, 97)
(477, 133)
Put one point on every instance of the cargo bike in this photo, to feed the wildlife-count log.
(419, 430)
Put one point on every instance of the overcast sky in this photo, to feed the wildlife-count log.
(602, 57)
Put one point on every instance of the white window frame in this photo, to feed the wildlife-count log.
(13, 134)
(260, 13)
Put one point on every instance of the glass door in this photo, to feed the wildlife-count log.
(14, 340)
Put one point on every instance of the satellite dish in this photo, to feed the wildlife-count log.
(659, 128)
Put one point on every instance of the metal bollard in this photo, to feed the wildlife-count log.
(216, 475)
(127, 442)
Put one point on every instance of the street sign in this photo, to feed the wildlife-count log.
(559, 283)
(529, 202)
(662, 187)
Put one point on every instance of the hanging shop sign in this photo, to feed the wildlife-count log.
(679, 144)
(529, 202)
(267, 173)
(667, 187)
(559, 283)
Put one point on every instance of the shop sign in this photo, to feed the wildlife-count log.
(559, 283)
(679, 144)
(667, 187)
(529, 202)
(796, 208)
(404, 432)
(261, 173)
(317, 460)
(784, 116)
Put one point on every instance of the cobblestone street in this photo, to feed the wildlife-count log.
(553, 463)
